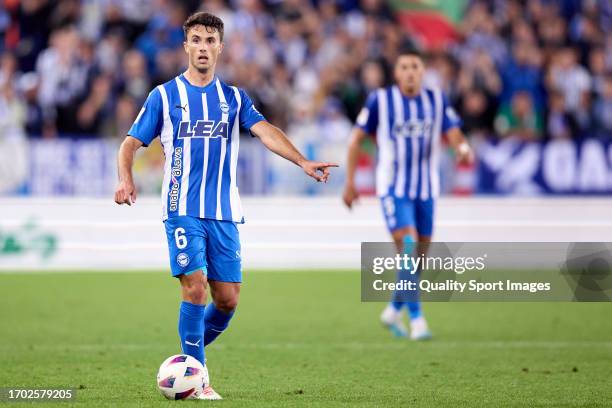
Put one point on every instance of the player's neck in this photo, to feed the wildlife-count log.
(199, 78)
(410, 92)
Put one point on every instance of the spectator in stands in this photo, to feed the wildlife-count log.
(603, 110)
(559, 123)
(552, 32)
(109, 51)
(583, 114)
(289, 45)
(570, 78)
(125, 111)
(585, 33)
(354, 93)
(28, 90)
(134, 76)
(130, 18)
(523, 73)
(250, 15)
(65, 79)
(12, 113)
(481, 74)
(598, 68)
(477, 109)
(33, 30)
(441, 71)
(164, 31)
(167, 62)
(9, 74)
(95, 108)
(481, 33)
(523, 32)
(520, 119)
(322, 51)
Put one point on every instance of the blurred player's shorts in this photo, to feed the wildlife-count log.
(402, 212)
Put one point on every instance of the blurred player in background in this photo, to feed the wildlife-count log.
(408, 121)
(197, 117)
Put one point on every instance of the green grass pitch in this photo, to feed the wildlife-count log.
(299, 339)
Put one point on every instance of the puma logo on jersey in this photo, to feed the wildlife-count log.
(181, 107)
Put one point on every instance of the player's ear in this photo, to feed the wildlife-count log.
(221, 45)
(185, 47)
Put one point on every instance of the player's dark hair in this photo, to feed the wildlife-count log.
(411, 51)
(211, 22)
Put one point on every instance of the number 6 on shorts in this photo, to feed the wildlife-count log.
(180, 238)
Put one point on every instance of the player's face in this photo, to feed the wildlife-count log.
(203, 47)
(409, 70)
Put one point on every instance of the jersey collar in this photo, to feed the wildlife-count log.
(202, 89)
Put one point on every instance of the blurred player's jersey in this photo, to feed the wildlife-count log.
(408, 131)
(199, 131)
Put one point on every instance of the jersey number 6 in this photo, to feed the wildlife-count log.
(180, 238)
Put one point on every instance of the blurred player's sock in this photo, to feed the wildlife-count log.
(215, 322)
(400, 297)
(407, 298)
(191, 330)
(414, 310)
(419, 329)
(392, 318)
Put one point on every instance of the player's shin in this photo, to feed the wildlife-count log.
(407, 273)
(412, 301)
(191, 330)
(215, 322)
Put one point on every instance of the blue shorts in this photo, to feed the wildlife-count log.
(404, 212)
(210, 245)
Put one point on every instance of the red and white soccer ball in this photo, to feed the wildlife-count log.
(181, 377)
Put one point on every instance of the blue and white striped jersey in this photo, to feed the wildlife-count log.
(199, 131)
(408, 131)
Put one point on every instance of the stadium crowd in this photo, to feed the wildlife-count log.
(533, 69)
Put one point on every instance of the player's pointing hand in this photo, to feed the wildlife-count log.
(125, 193)
(318, 170)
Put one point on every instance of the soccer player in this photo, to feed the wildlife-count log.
(407, 120)
(198, 117)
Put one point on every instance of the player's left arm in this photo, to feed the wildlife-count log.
(451, 126)
(277, 141)
(462, 148)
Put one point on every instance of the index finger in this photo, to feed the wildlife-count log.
(323, 164)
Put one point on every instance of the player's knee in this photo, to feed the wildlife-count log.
(227, 305)
(400, 235)
(195, 294)
(194, 291)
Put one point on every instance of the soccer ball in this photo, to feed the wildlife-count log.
(181, 377)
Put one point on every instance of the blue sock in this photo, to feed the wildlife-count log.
(400, 297)
(414, 308)
(215, 322)
(407, 298)
(414, 304)
(191, 330)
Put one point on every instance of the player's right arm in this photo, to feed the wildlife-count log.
(366, 124)
(146, 127)
(126, 190)
(350, 194)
